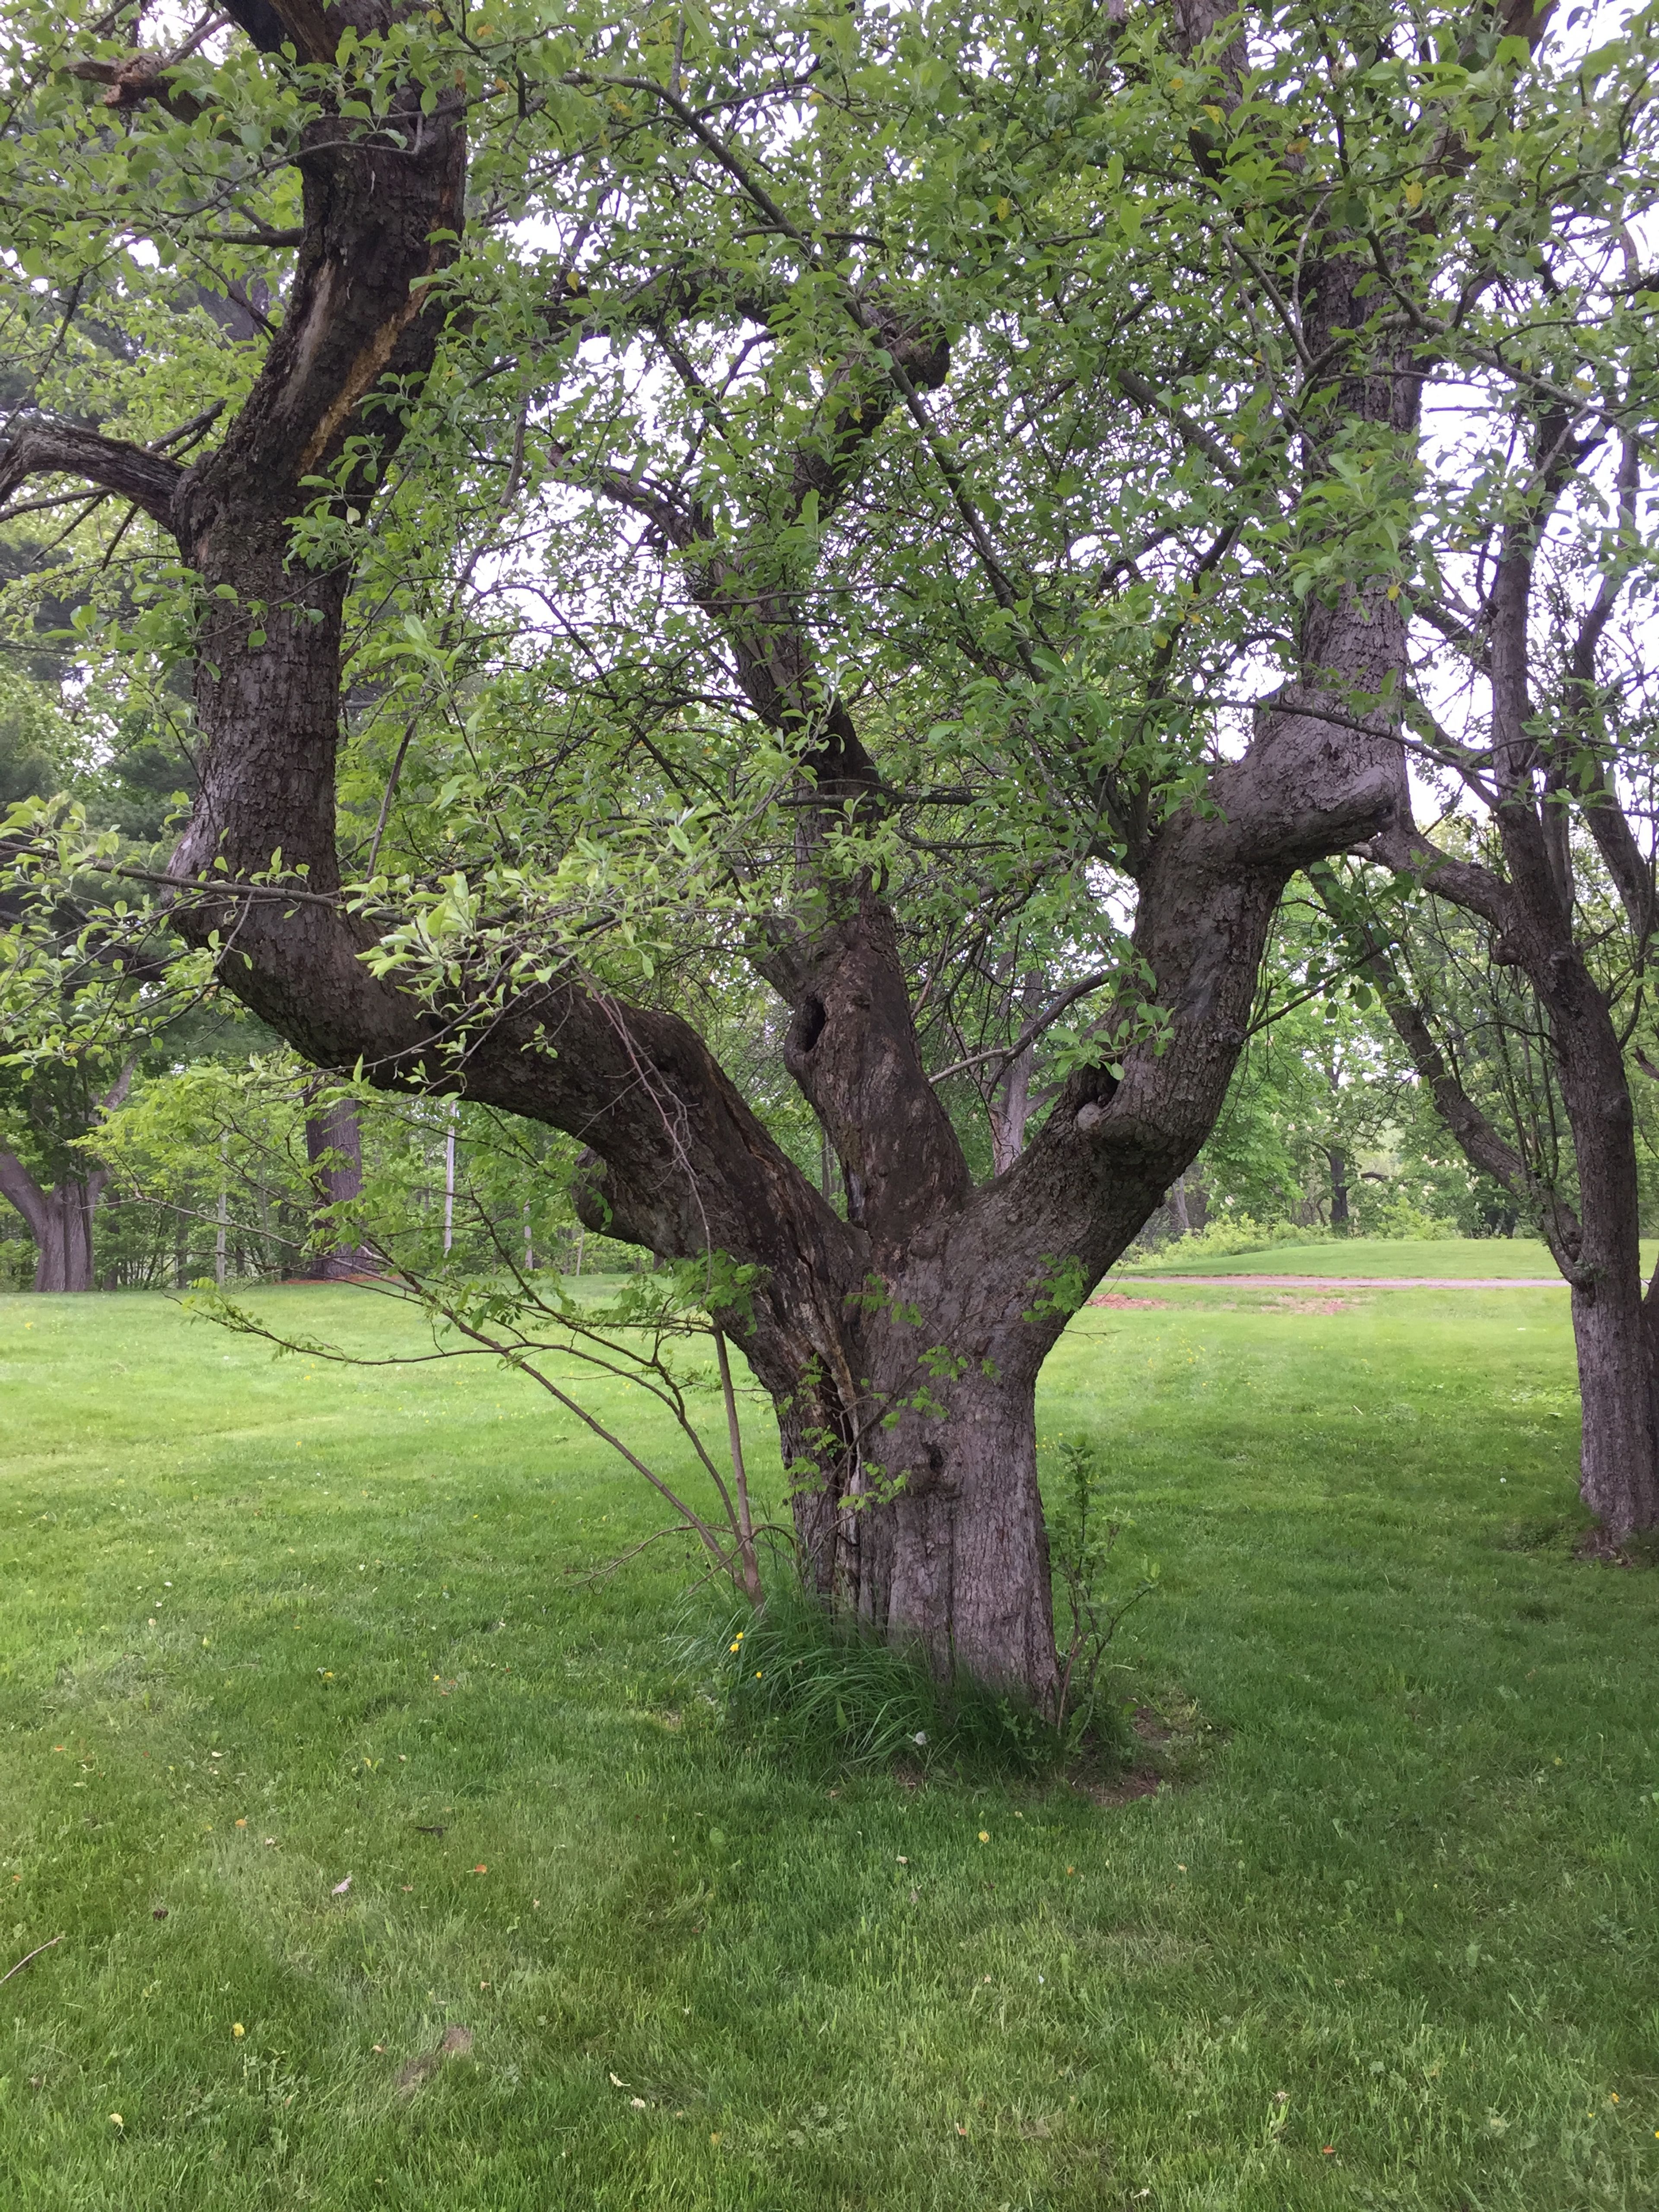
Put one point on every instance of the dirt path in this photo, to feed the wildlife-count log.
(1362, 1282)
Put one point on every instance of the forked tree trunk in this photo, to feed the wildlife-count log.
(65, 1237)
(59, 1219)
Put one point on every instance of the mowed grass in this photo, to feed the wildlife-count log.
(1463, 1256)
(1390, 1944)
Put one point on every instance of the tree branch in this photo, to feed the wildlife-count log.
(1033, 1030)
(140, 473)
(17, 1184)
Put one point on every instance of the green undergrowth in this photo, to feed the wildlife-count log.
(1386, 1942)
(828, 1696)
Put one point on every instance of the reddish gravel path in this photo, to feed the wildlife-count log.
(1364, 1282)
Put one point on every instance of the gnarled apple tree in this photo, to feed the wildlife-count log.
(885, 496)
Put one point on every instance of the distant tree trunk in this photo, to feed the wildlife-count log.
(449, 1183)
(334, 1145)
(222, 1217)
(1339, 1166)
(59, 1220)
(1178, 1206)
(1010, 1109)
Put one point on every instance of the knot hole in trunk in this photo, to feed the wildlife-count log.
(928, 1480)
(809, 1025)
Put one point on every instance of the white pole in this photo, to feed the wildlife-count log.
(528, 1248)
(449, 1181)
(224, 1219)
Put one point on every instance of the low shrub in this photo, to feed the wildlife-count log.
(1231, 1233)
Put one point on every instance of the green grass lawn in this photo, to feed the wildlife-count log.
(264, 1626)
(1373, 1256)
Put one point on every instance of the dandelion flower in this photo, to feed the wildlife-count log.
(985, 1835)
(239, 2031)
(116, 2121)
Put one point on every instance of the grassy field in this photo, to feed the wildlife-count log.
(1388, 1942)
(1373, 1256)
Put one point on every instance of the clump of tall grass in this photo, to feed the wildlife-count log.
(818, 1689)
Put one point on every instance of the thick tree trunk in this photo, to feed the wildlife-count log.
(1337, 1160)
(959, 1566)
(916, 1499)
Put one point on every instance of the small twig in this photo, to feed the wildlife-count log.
(609, 1567)
(739, 1474)
(33, 1955)
(1033, 1030)
(385, 803)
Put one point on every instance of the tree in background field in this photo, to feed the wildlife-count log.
(919, 505)
(1561, 1134)
(1328, 1126)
